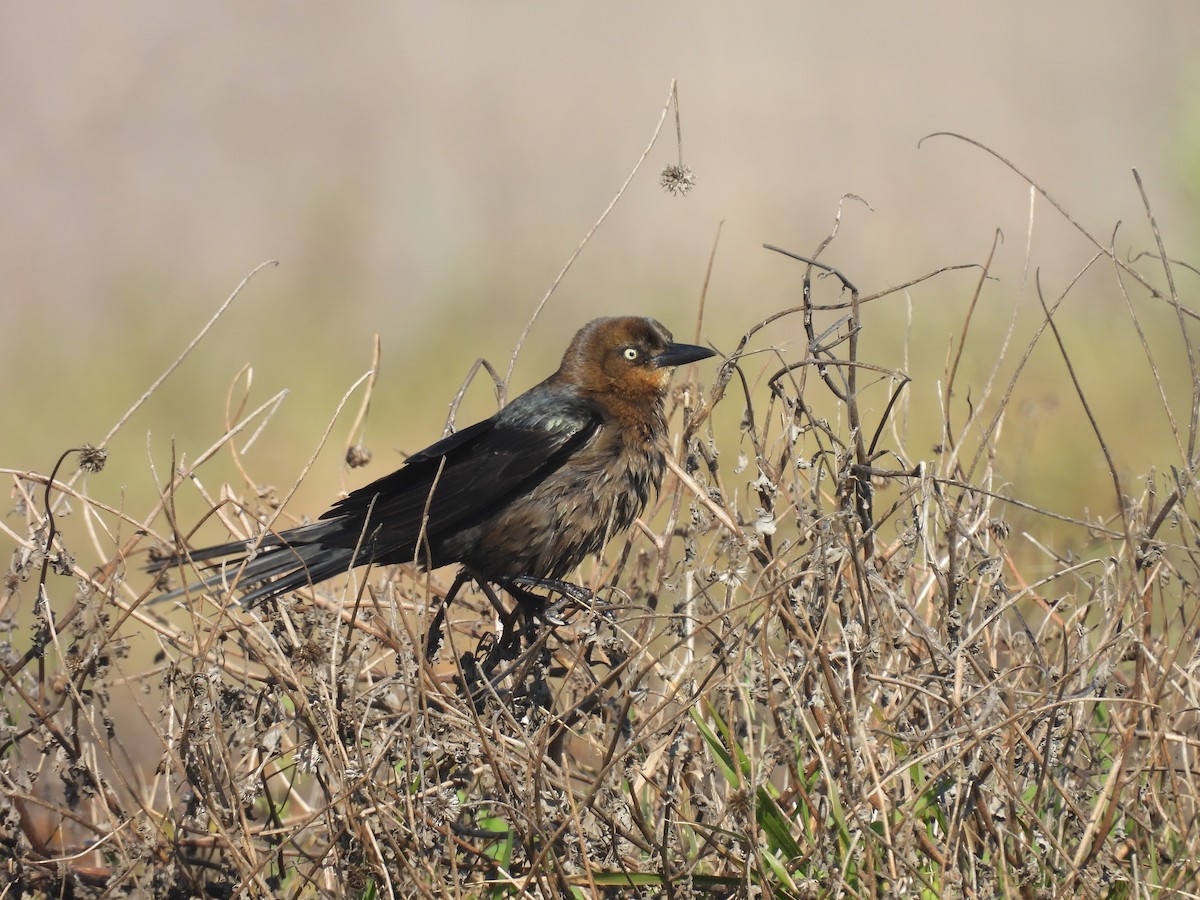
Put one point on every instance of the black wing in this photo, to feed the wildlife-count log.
(467, 476)
(461, 480)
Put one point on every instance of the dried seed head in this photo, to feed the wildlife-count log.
(309, 655)
(92, 459)
(678, 180)
(357, 456)
(444, 805)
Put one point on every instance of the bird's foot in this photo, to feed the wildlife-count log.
(574, 592)
(537, 607)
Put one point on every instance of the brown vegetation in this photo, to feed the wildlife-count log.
(819, 667)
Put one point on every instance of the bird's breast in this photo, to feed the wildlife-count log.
(573, 512)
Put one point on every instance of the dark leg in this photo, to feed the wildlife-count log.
(531, 607)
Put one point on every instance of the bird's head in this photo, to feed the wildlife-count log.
(625, 356)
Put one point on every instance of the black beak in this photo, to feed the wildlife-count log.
(679, 354)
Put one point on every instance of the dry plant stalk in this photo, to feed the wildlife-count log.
(819, 667)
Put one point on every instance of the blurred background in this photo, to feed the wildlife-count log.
(423, 171)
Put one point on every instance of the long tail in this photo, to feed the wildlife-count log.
(294, 559)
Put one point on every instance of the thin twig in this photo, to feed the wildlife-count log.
(512, 362)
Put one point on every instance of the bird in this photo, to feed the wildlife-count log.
(517, 500)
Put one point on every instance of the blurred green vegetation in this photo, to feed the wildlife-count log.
(77, 379)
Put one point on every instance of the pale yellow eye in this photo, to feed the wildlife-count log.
(630, 353)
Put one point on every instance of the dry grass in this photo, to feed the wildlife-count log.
(819, 668)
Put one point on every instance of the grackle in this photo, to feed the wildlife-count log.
(518, 500)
